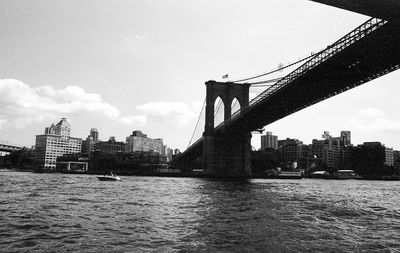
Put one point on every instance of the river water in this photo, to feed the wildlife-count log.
(78, 213)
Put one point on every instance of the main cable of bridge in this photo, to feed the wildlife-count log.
(270, 82)
(197, 122)
(275, 70)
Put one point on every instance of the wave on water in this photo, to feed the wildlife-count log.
(43, 213)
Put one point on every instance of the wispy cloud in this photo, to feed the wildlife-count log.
(176, 112)
(21, 104)
(371, 112)
(137, 120)
(372, 120)
(3, 122)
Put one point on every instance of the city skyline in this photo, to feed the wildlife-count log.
(118, 70)
(323, 135)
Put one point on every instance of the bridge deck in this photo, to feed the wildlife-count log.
(8, 147)
(385, 9)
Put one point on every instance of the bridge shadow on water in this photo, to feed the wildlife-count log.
(239, 181)
(234, 215)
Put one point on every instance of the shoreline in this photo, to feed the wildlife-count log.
(190, 175)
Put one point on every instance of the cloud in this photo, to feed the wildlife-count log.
(178, 112)
(3, 122)
(137, 120)
(371, 113)
(21, 104)
(372, 120)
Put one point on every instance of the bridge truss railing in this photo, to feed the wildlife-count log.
(8, 148)
(347, 40)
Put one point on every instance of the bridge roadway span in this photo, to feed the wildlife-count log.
(384, 9)
(8, 148)
(368, 52)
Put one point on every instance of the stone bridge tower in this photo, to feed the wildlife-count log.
(226, 155)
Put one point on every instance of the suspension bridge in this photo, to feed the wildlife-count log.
(5, 146)
(369, 51)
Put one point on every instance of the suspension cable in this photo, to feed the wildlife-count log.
(276, 70)
(217, 108)
(261, 85)
(266, 81)
(197, 123)
(233, 106)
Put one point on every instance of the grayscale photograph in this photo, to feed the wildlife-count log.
(199, 126)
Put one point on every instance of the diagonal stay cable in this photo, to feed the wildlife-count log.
(197, 123)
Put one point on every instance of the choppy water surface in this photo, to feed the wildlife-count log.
(61, 213)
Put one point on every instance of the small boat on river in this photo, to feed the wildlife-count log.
(110, 177)
(289, 174)
(284, 174)
(346, 174)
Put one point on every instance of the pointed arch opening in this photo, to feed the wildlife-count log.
(219, 108)
(235, 106)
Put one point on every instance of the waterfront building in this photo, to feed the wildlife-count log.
(88, 145)
(55, 142)
(167, 153)
(139, 141)
(326, 135)
(292, 151)
(396, 154)
(389, 156)
(110, 146)
(94, 134)
(346, 157)
(386, 155)
(269, 141)
(335, 152)
(345, 137)
(327, 150)
(147, 157)
(373, 158)
(170, 154)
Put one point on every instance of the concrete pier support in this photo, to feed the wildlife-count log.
(225, 155)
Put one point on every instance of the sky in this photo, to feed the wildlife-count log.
(126, 65)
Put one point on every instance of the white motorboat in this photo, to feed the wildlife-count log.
(111, 177)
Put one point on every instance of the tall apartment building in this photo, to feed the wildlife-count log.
(55, 142)
(269, 141)
(396, 157)
(139, 141)
(94, 134)
(88, 145)
(372, 157)
(292, 151)
(345, 137)
(336, 152)
(167, 153)
(389, 156)
(327, 150)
